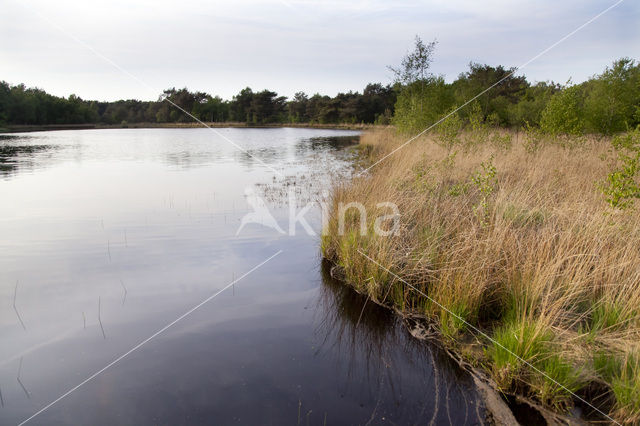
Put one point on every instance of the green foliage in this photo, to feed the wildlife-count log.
(621, 187)
(22, 105)
(480, 129)
(558, 383)
(613, 98)
(533, 138)
(605, 316)
(629, 141)
(564, 114)
(607, 365)
(521, 350)
(501, 141)
(528, 110)
(424, 180)
(421, 104)
(297, 108)
(454, 321)
(485, 182)
(485, 129)
(415, 64)
(626, 385)
(513, 343)
(19, 105)
(459, 189)
(266, 107)
(506, 90)
(624, 377)
(448, 131)
(212, 109)
(605, 104)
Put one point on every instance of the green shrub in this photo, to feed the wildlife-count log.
(621, 187)
(421, 104)
(533, 138)
(564, 114)
(485, 182)
(612, 98)
(448, 131)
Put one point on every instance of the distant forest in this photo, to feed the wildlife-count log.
(32, 106)
(606, 103)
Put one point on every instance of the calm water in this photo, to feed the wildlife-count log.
(110, 235)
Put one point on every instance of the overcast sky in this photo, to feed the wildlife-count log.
(294, 45)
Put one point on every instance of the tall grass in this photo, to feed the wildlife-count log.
(516, 241)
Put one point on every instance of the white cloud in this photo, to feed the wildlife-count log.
(291, 45)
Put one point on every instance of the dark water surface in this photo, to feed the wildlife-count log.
(107, 236)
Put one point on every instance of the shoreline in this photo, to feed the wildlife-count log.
(499, 409)
(26, 128)
(528, 281)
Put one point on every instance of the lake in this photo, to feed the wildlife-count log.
(128, 277)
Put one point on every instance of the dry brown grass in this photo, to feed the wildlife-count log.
(538, 260)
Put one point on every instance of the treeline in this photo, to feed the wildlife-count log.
(606, 103)
(20, 105)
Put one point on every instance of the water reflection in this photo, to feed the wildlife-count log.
(109, 244)
(20, 157)
(260, 156)
(329, 142)
(26, 392)
(331, 160)
(399, 367)
(9, 137)
(191, 159)
(15, 308)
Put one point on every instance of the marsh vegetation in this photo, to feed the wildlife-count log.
(518, 234)
(530, 238)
